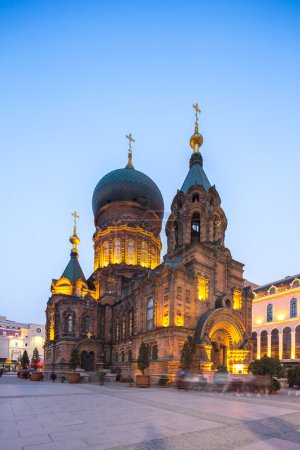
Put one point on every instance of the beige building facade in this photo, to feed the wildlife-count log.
(276, 319)
(15, 337)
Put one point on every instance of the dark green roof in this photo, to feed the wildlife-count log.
(196, 175)
(73, 270)
(128, 184)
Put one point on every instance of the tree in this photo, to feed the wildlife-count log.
(267, 366)
(74, 361)
(35, 358)
(188, 353)
(144, 357)
(25, 360)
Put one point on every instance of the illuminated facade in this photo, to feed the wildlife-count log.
(15, 337)
(132, 296)
(276, 320)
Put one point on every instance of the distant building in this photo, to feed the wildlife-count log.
(15, 337)
(276, 319)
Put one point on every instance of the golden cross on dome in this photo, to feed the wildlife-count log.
(76, 216)
(197, 110)
(130, 139)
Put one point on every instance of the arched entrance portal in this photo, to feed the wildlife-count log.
(220, 346)
(88, 361)
(222, 341)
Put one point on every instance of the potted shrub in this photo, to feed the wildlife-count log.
(264, 370)
(143, 363)
(130, 381)
(62, 379)
(101, 377)
(74, 377)
(35, 376)
(163, 381)
(53, 377)
(24, 365)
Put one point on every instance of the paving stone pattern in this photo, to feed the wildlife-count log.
(56, 416)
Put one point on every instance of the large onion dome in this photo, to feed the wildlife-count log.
(128, 185)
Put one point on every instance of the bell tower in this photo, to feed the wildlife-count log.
(196, 214)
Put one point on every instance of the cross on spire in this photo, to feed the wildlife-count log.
(76, 216)
(130, 139)
(197, 110)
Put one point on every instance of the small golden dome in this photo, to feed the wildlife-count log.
(74, 240)
(197, 138)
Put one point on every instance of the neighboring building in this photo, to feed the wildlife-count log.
(276, 319)
(132, 297)
(15, 337)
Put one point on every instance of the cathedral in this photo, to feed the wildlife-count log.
(134, 296)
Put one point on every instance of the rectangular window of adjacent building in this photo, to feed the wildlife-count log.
(269, 313)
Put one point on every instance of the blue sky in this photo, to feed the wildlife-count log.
(77, 76)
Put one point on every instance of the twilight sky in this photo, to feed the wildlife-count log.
(76, 76)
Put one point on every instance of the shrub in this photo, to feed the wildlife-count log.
(101, 375)
(35, 358)
(291, 376)
(53, 376)
(164, 380)
(275, 385)
(42, 377)
(294, 376)
(130, 380)
(25, 360)
(222, 369)
(62, 378)
(267, 366)
(74, 361)
(143, 361)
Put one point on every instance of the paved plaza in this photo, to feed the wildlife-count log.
(56, 416)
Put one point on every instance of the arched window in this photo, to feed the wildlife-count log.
(123, 328)
(176, 233)
(286, 343)
(86, 324)
(131, 253)
(69, 324)
(195, 197)
(131, 323)
(263, 343)
(254, 345)
(123, 357)
(154, 353)
(129, 356)
(144, 255)
(293, 308)
(297, 342)
(195, 228)
(117, 251)
(150, 314)
(274, 343)
(216, 225)
(116, 357)
(105, 254)
(270, 313)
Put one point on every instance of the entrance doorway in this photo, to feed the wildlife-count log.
(88, 361)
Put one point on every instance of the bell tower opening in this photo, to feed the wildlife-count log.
(195, 228)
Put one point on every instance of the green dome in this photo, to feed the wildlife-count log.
(128, 184)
